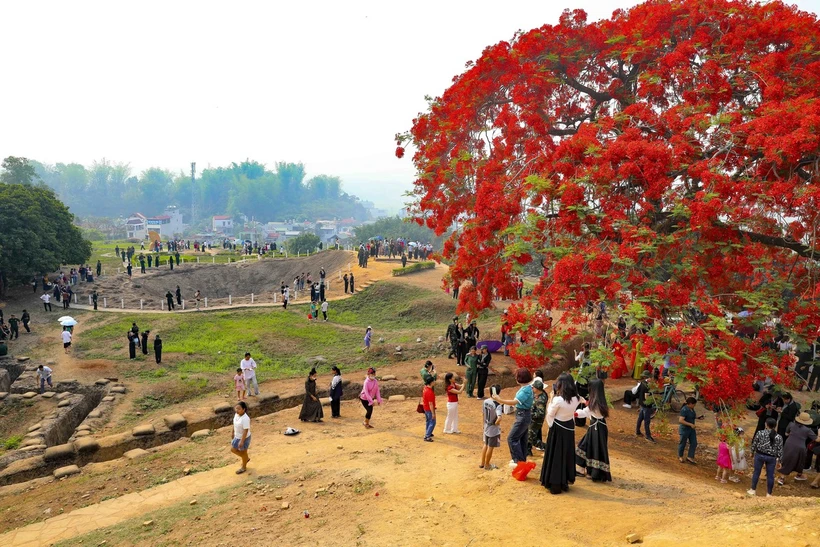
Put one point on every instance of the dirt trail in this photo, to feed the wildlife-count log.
(387, 487)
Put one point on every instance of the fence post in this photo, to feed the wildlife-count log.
(286, 253)
(89, 299)
(206, 301)
(161, 305)
(274, 298)
(105, 302)
(308, 252)
(122, 303)
(251, 298)
(183, 304)
(140, 303)
(230, 302)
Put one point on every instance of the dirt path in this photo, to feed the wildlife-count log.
(387, 487)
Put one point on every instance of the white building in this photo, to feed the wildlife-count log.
(167, 225)
(135, 226)
(223, 224)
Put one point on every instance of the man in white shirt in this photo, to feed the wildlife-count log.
(66, 339)
(46, 298)
(44, 376)
(248, 367)
(324, 309)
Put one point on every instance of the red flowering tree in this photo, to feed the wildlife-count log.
(665, 160)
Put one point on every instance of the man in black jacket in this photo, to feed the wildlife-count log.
(647, 408)
(788, 413)
(158, 348)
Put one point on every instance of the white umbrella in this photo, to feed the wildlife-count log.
(65, 318)
(68, 322)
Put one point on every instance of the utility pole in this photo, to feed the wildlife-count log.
(193, 193)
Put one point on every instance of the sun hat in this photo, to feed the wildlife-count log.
(804, 419)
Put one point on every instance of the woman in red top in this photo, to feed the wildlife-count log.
(428, 400)
(619, 366)
(452, 389)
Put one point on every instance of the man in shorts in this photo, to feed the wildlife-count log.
(66, 339)
(492, 429)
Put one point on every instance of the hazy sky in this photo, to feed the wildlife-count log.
(164, 83)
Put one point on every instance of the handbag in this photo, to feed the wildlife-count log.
(420, 407)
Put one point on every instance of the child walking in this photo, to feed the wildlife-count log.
(492, 429)
(738, 453)
(239, 384)
(452, 389)
(724, 461)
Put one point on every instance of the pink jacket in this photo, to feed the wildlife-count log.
(370, 391)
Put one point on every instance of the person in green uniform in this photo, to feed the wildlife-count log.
(25, 318)
(429, 371)
(472, 370)
(94, 299)
(452, 336)
(539, 412)
(14, 328)
(99, 268)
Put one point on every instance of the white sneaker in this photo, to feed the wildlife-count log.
(768, 495)
(513, 463)
(627, 406)
(751, 492)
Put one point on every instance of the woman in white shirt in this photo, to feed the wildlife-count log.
(241, 435)
(558, 470)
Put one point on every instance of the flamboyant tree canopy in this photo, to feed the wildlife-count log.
(666, 159)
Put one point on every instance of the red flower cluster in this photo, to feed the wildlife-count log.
(399, 152)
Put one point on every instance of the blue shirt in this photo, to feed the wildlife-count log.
(525, 398)
(688, 415)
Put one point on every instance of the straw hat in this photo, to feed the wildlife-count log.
(804, 418)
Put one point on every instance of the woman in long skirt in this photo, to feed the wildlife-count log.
(312, 407)
(794, 449)
(592, 453)
(336, 393)
(558, 470)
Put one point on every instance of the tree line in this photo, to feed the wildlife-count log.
(37, 232)
(111, 189)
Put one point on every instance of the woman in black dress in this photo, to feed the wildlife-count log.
(558, 469)
(312, 407)
(592, 454)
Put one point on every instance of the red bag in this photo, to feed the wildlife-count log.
(522, 470)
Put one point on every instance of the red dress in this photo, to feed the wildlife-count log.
(619, 366)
